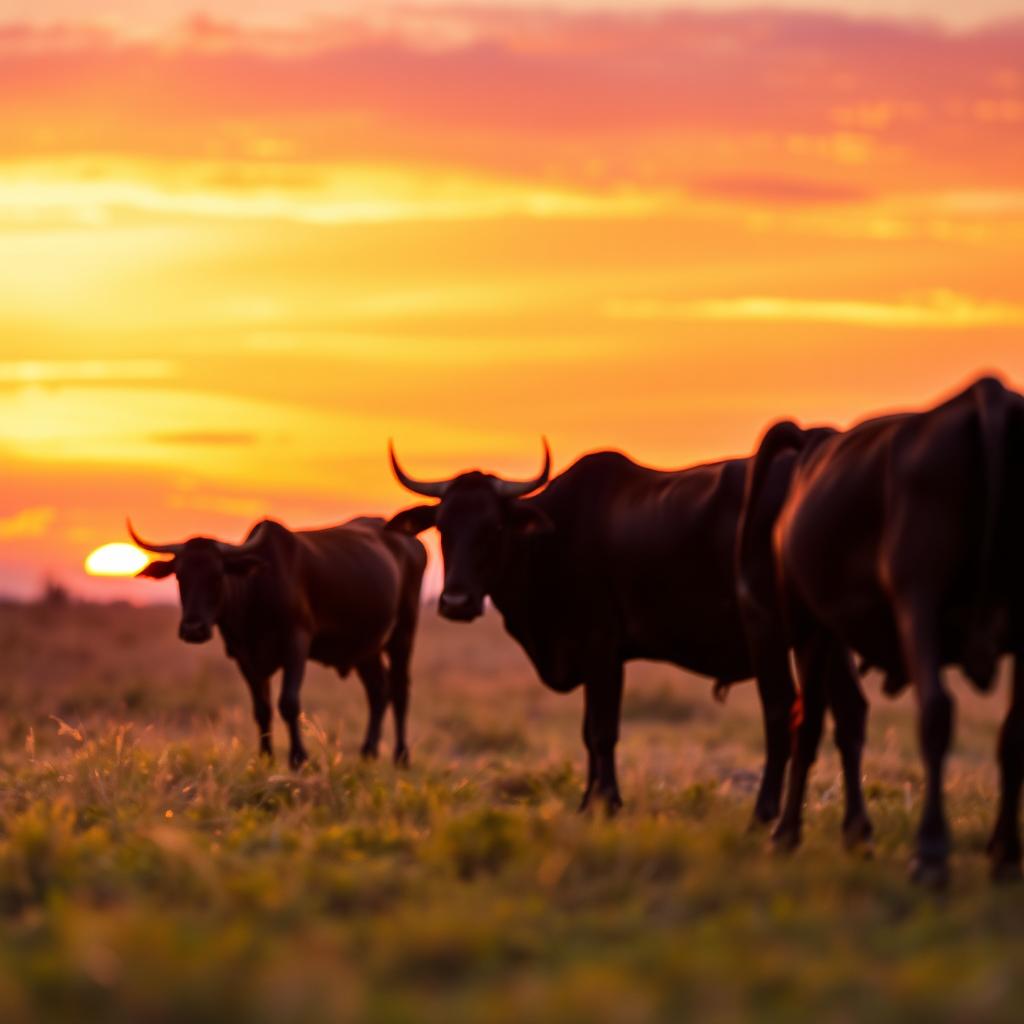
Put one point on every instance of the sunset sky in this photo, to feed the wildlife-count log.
(244, 243)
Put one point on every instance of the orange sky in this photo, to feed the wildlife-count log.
(238, 256)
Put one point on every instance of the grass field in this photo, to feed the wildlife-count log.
(153, 869)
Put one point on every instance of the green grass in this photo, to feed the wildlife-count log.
(152, 869)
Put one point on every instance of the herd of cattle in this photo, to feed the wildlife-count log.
(897, 543)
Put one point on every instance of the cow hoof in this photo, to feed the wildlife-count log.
(929, 874)
(402, 759)
(612, 804)
(1006, 871)
(368, 753)
(858, 833)
(785, 838)
(297, 759)
(761, 819)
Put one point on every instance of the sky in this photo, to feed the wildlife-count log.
(143, 15)
(245, 244)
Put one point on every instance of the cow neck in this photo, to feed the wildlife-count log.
(231, 620)
(518, 594)
(245, 610)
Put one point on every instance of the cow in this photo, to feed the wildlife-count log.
(344, 596)
(816, 654)
(610, 562)
(900, 540)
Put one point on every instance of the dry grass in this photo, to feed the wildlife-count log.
(152, 869)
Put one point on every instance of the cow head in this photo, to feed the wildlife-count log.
(477, 516)
(201, 566)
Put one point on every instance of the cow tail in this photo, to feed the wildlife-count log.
(984, 643)
(781, 437)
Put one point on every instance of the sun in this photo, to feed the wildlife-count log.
(116, 560)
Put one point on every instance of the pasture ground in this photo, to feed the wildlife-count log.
(153, 869)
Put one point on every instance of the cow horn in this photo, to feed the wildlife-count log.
(428, 488)
(156, 549)
(244, 548)
(519, 489)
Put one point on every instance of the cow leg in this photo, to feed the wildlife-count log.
(808, 722)
(935, 730)
(1004, 847)
(778, 696)
(375, 681)
(288, 702)
(588, 792)
(259, 688)
(602, 697)
(399, 652)
(850, 712)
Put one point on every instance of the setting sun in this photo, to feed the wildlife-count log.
(115, 560)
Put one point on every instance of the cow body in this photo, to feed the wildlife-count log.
(345, 597)
(639, 565)
(621, 562)
(900, 540)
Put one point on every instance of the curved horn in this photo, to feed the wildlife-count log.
(157, 549)
(428, 488)
(519, 489)
(226, 548)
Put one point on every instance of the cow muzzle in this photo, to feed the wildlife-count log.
(195, 632)
(460, 607)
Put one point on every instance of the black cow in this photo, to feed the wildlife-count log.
(611, 562)
(900, 539)
(342, 596)
(816, 653)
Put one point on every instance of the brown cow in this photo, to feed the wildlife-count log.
(343, 596)
(900, 539)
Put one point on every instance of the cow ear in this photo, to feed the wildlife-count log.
(524, 518)
(413, 520)
(158, 570)
(242, 564)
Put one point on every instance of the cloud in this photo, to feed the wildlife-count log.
(299, 444)
(96, 191)
(940, 310)
(778, 191)
(149, 16)
(569, 100)
(101, 371)
(29, 522)
(206, 437)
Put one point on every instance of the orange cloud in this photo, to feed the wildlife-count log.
(51, 371)
(553, 95)
(942, 311)
(29, 522)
